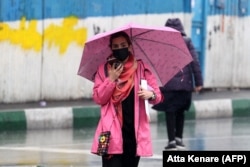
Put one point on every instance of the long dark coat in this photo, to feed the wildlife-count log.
(178, 91)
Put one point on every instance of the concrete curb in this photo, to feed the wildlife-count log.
(211, 109)
(49, 118)
(78, 117)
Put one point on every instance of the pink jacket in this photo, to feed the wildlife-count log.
(102, 91)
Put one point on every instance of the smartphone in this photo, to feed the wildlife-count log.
(116, 64)
(113, 61)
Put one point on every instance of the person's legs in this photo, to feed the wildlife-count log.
(113, 161)
(186, 97)
(123, 160)
(129, 158)
(170, 125)
(130, 161)
(180, 118)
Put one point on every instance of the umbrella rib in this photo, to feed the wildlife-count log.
(141, 33)
(133, 38)
(163, 43)
(145, 56)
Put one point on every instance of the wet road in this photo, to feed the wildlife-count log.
(70, 148)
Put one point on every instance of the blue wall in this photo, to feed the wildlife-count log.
(33, 9)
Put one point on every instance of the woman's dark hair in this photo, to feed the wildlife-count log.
(119, 34)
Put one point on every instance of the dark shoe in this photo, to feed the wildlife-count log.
(171, 147)
(180, 145)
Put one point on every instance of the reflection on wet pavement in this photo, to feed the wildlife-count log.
(70, 148)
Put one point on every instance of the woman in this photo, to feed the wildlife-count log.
(117, 90)
(178, 93)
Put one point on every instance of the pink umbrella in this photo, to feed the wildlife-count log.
(161, 47)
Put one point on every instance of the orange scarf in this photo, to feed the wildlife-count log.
(124, 85)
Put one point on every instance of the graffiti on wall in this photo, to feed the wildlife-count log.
(60, 36)
(97, 29)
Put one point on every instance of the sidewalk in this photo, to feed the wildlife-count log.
(84, 112)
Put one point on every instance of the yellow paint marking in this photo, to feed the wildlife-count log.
(27, 36)
(63, 35)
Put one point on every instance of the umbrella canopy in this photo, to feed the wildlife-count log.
(163, 48)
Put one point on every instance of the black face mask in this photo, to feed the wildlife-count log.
(121, 54)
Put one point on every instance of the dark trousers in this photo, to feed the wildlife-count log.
(121, 160)
(174, 124)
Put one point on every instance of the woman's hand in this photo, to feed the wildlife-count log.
(114, 73)
(145, 94)
(198, 89)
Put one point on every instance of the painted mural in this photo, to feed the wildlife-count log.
(41, 41)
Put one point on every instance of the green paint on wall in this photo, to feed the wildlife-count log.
(85, 117)
(12, 120)
(190, 114)
(241, 108)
